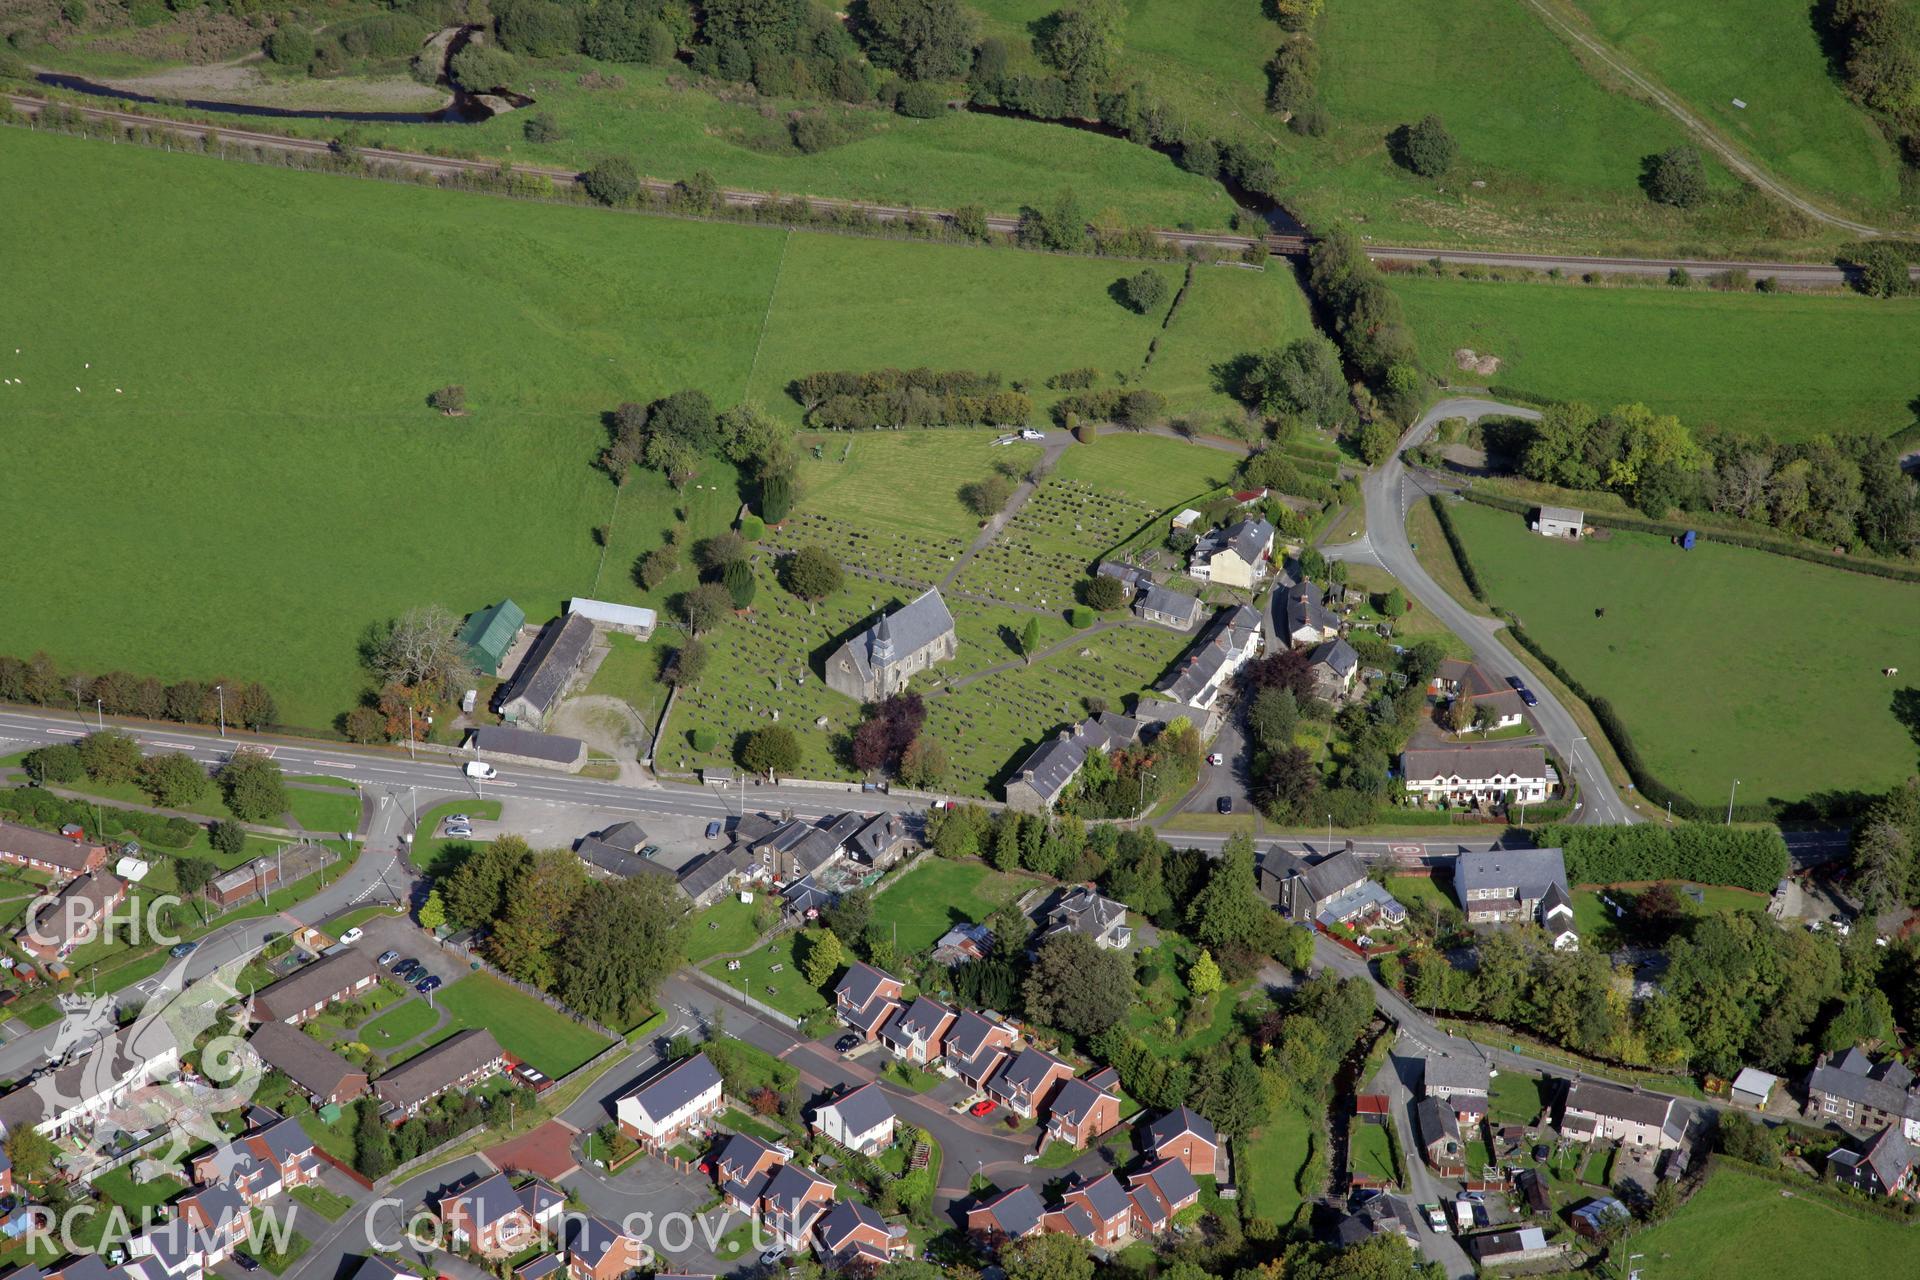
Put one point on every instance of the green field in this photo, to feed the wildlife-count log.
(1724, 663)
(1740, 1225)
(1268, 1165)
(1797, 121)
(938, 894)
(529, 1030)
(325, 812)
(1786, 365)
(1154, 469)
(908, 482)
(724, 927)
(548, 315)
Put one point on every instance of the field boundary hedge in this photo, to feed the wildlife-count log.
(1707, 853)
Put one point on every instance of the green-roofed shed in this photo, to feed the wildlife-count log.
(489, 634)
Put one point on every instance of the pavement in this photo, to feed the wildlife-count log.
(1389, 492)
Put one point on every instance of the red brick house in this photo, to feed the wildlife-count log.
(1187, 1136)
(601, 1251)
(306, 991)
(1082, 1112)
(1160, 1192)
(71, 918)
(865, 998)
(1108, 1209)
(1011, 1215)
(495, 1218)
(852, 1235)
(61, 857)
(277, 1156)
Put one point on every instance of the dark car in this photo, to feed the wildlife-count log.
(428, 985)
(1527, 696)
(1226, 804)
(179, 949)
(714, 828)
(406, 968)
(1517, 683)
(245, 1261)
(846, 1043)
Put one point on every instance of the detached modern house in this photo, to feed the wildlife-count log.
(1026, 1084)
(853, 1238)
(1085, 1110)
(495, 1218)
(1083, 909)
(662, 1109)
(976, 1047)
(598, 1250)
(865, 998)
(1187, 1136)
(1011, 1215)
(1333, 891)
(860, 1118)
(917, 1034)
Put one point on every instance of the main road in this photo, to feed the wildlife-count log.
(1388, 493)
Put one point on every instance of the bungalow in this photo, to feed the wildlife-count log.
(1187, 1136)
(1160, 1192)
(963, 944)
(460, 1061)
(1165, 607)
(56, 925)
(1506, 886)
(1304, 617)
(1040, 780)
(1476, 774)
(1460, 1082)
(1011, 1215)
(917, 1034)
(1332, 667)
(495, 1218)
(860, 1118)
(662, 1109)
(865, 997)
(1882, 1167)
(61, 857)
(853, 1235)
(306, 991)
(1851, 1090)
(598, 1250)
(1107, 1207)
(318, 1071)
(1336, 890)
(1083, 909)
(1594, 1109)
(1236, 556)
(1440, 1138)
(1027, 1083)
(976, 1046)
(793, 1200)
(1082, 1112)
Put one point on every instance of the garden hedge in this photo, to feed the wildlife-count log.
(1745, 857)
(41, 808)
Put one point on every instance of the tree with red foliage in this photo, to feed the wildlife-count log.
(1287, 669)
(882, 739)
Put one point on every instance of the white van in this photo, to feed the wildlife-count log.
(480, 769)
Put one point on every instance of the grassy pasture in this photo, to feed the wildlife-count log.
(1786, 365)
(938, 894)
(1724, 663)
(294, 417)
(1152, 469)
(1797, 121)
(1741, 1225)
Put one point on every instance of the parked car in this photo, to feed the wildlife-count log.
(846, 1043)
(1216, 758)
(1527, 696)
(458, 820)
(1028, 433)
(714, 828)
(773, 1255)
(428, 985)
(387, 958)
(245, 1261)
(406, 968)
(352, 936)
(1226, 804)
(460, 833)
(984, 1107)
(8, 996)
(1436, 1217)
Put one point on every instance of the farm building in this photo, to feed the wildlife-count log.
(489, 635)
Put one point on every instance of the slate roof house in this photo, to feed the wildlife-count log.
(853, 1237)
(308, 990)
(1187, 1136)
(460, 1061)
(320, 1073)
(1028, 1082)
(879, 840)
(976, 1047)
(1160, 1191)
(507, 745)
(1040, 780)
(1884, 1166)
(743, 1165)
(880, 661)
(1440, 1138)
(1855, 1092)
(59, 857)
(1333, 665)
(1011, 1215)
(1196, 678)
(616, 852)
(661, 1109)
(1166, 607)
(489, 634)
(1084, 909)
(496, 1218)
(1460, 1082)
(1475, 774)
(543, 677)
(917, 1034)
(599, 1250)
(55, 926)
(793, 1201)
(92, 1082)
(1107, 1206)
(1594, 1109)
(1334, 890)
(1304, 616)
(1128, 576)
(1083, 1111)
(865, 997)
(1511, 886)
(860, 1118)
(1236, 556)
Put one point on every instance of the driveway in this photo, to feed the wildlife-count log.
(1400, 1079)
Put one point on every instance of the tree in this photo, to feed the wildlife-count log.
(1030, 639)
(450, 400)
(812, 573)
(31, 1153)
(372, 1143)
(656, 566)
(1677, 177)
(920, 39)
(822, 957)
(542, 126)
(1285, 788)
(173, 779)
(290, 46)
(1106, 593)
(1882, 271)
(53, 766)
(1459, 715)
(253, 786)
(1082, 42)
(433, 912)
(1203, 979)
(1427, 148)
(702, 608)
(193, 874)
(1145, 291)
(1079, 986)
(986, 497)
(421, 650)
(773, 749)
(1061, 224)
(1297, 15)
(1051, 1255)
(227, 838)
(480, 68)
(776, 498)
(924, 764)
(1301, 380)
(476, 893)
(685, 665)
(110, 756)
(541, 904)
(1882, 867)
(1229, 911)
(614, 181)
(714, 554)
(626, 936)
(1395, 604)
(740, 583)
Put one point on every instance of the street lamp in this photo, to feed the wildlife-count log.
(220, 691)
(1730, 794)
(99, 714)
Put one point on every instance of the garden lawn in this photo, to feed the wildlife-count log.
(1370, 1151)
(1786, 365)
(1741, 1225)
(1409, 890)
(786, 990)
(1517, 1098)
(395, 1027)
(533, 1032)
(1722, 662)
(726, 926)
(938, 893)
(1794, 118)
(325, 812)
(1269, 1164)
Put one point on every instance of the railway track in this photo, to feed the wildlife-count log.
(1805, 273)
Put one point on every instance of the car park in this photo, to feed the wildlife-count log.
(352, 936)
(406, 968)
(387, 958)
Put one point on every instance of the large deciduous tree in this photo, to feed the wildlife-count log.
(626, 936)
(920, 39)
(253, 787)
(420, 650)
(1079, 986)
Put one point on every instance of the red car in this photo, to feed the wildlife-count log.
(984, 1107)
